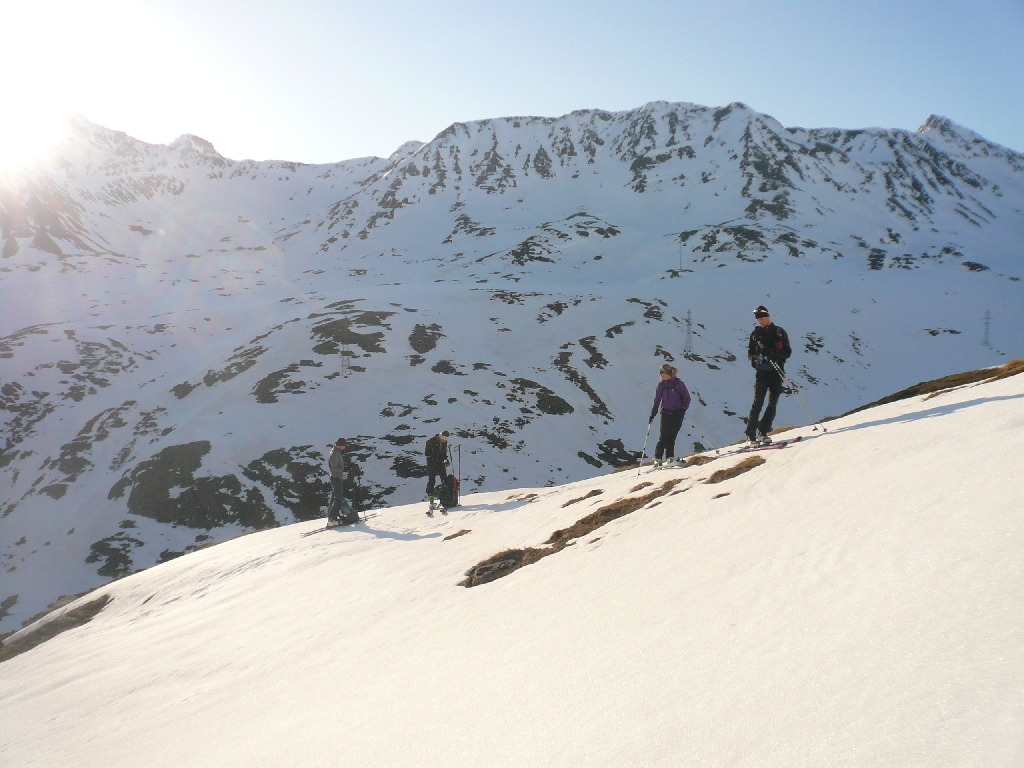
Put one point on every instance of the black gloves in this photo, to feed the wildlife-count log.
(653, 414)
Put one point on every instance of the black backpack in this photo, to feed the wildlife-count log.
(449, 496)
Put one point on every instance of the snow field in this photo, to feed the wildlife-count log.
(856, 600)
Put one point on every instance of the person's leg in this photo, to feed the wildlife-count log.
(432, 472)
(675, 422)
(774, 386)
(760, 390)
(336, 499)
(662, 446)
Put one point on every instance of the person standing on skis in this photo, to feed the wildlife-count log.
(437, 459)
(768, 349)
(339, 512)
(674, 398)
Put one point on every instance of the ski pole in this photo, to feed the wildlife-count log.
(644, 451)
(706, 441)
(799, 398)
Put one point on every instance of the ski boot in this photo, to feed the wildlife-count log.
(431, 506)
(766, 440)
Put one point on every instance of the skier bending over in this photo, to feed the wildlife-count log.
(767, 350)
(339, 512)
(437, 460)
(674, 398)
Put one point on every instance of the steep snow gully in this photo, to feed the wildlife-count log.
(855, 599)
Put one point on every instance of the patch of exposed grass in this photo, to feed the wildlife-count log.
(639, 487)
(73, 618)
(936, 386)
(699, 459)
(523, 497)
(456, 535)
(736, 469)
(627, 467)
(509, 560)
(590, 495)
(780, 430)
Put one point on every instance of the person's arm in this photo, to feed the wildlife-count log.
(786, 351)
(753, 349)
(657, 403)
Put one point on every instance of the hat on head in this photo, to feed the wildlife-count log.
(340, 441)
(761, 311)
(667, 369)
(445, 433)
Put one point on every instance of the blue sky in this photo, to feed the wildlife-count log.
(319, 81)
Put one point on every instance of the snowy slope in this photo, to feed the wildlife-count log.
(182, 333)
(857, 599)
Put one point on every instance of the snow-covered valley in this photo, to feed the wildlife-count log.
(182, 333)
(854, 599)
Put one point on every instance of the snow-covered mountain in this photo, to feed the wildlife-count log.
(855, 599)
(182, 334)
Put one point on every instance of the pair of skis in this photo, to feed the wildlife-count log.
(330, 526)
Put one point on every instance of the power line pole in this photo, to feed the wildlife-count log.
(688, 350)
(988, 320)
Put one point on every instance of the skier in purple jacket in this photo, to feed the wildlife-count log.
(674, 399)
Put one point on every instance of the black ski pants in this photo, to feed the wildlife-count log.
(339, 510)
(671, 421)
(435, 471)
(766, 383)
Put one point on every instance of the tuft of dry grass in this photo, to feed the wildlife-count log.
(509, 560)
(456, 535)
(626, 468)
(699, 460)
(590, 495)
(639, 487)
(609, 512)
(73, 618)
(780, 430)
(936, 386)
(524, 497)
(737, 469)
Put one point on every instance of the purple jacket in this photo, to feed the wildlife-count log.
(672, 395)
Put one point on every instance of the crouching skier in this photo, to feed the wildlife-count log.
(437, 460)
(339, 512)
(674, 398)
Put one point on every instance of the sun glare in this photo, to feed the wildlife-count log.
(121, 63)
(23, 141)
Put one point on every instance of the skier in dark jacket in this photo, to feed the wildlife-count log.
(768, 349)
(339, 512)
(674, 398)
(437, 459)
